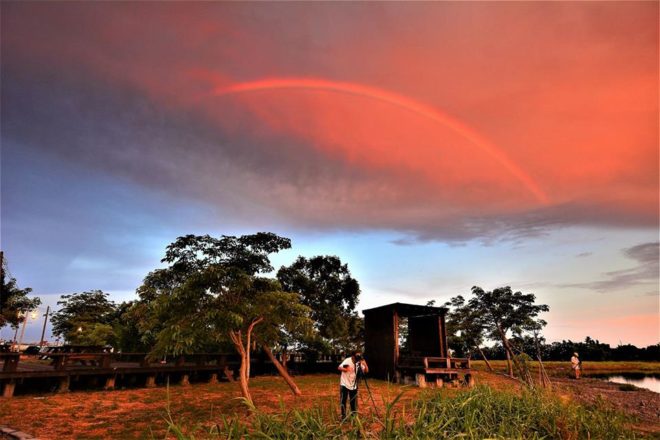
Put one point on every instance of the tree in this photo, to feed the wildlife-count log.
(465, 328)
(212, 293)
(85, 318)
(126, 327)
(326, 286)
(502, 311)
(14, 301)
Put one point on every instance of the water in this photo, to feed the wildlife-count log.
(641, 380)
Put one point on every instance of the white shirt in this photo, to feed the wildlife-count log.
(576, 362)
(348, 377)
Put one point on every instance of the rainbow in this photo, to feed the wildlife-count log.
(397, 100)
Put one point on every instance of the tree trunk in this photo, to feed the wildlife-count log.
(248, 344)
(484, 358)
(245, 361)
(244, 351)
(508, 350)
(280, 369)
(508, 362)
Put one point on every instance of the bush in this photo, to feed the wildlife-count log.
(627, 387)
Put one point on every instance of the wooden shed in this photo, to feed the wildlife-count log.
(409, 342)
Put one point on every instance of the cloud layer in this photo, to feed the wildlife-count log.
(566, 92)
(645, 272)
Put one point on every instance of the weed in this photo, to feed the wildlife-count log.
(476, 414)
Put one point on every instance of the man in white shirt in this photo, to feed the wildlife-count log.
(348, 382)
(576, 365)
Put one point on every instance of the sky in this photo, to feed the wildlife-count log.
(432, 146)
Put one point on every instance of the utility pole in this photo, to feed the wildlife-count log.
(2, 277)
(43, 330)
(13, 342)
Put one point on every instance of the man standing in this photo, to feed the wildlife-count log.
(350, 368)
(576, 365)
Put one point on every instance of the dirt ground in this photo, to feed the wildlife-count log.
(140, 413)
(643, 406)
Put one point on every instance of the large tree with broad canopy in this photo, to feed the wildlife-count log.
(214, 292)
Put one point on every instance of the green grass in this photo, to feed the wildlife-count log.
(480, 413)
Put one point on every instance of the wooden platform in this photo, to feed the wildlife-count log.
(424, 370)
(20, 369)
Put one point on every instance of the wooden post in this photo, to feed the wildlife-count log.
(11, 362)
(469, 379)
(144, 362)
(151, 381)
(8, 390)
(64, 384)
(420, 380)
(107, 360)
(439, 383)
(229, 374)
(213, 379)
(109, 383)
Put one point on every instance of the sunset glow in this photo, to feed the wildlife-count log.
(432, 146)
(396, 100)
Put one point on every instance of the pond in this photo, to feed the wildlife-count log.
(650, 381)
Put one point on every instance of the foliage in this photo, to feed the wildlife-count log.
(465, 327)
(503, 310)
(495, 314)
(211, 287)
(85, 318)
(126, 328)
(14, 301)
(93, 334)
(326, 286)
(590, 350)
(212, 293)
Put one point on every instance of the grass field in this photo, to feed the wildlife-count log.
(559, 368)
(498, 408)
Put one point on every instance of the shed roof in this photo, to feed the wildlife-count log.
(407, 310)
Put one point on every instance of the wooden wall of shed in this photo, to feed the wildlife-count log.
(380, 343)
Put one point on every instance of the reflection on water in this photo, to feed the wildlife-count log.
(641, 380)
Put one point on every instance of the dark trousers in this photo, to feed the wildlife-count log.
(351, 395)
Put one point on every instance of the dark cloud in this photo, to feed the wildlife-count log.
(647, 271)
(122, 90)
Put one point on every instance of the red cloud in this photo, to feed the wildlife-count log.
(566, 119)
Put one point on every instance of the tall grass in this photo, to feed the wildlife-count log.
(480, 413)
(484, 413)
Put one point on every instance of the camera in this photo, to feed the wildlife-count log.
(358, 357)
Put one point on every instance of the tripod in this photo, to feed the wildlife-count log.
(360, 375)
